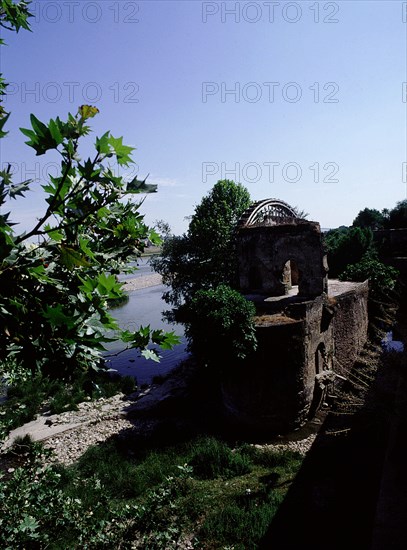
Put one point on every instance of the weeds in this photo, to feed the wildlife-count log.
(150, 500)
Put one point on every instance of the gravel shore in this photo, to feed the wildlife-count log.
(143, 282)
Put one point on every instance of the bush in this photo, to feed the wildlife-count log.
(382, 277)
(220, 327)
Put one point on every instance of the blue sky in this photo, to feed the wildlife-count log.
(303, 101)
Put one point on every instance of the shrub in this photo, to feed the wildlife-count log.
(382, 277)
(220, 327)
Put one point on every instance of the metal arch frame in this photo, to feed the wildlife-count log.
(267, 211)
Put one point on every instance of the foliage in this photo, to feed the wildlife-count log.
(201, 268)
(370, 217)
(221, 315)
(37, 513)
(397, 218)
(345, 246)
(54, 317)
(205, 256)
(92, 505)
(163, 229)
(382, 277)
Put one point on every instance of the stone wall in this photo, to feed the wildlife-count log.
(350, 324)
(264, 251)
(277, 389)
(262, 394)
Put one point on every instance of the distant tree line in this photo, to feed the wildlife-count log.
(354, 254)
(396, 218)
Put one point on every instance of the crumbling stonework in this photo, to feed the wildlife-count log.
(307, 334)
(265, 251)
(299, 354)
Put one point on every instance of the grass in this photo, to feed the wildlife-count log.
(113, 497)
(225, 496)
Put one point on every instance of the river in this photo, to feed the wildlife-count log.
(144, 307)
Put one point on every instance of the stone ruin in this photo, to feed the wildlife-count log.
(309, 329)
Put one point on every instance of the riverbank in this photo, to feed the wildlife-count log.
(145, 281)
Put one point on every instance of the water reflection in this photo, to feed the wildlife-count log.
(392, 345)
(144, 308)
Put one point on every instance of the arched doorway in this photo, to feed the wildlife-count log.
(291, 276)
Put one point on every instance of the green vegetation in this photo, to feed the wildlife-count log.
(201, 269)
(221, 315)
(345, 246)
(60, 275)
(381, 277)
(155, 498)
(395, 218)
(353, 255)
(205, 256)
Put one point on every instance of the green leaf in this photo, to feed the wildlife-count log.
(150, 354)
(121, 151)
(39, 127)
(166, 340)
(55, 132)
(54, 233)
(2, 123)
(72, 258)
(137, 186)
(102, 144)
(83, 243)
(57, 317)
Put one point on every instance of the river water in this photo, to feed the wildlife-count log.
(144, 307)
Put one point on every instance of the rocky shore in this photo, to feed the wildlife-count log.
(68, 435)
(71, 433)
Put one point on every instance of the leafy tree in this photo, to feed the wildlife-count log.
(369, 217)
(205, 256)
(54, 315)
(163, 229)
(345, 246)
(398, 216)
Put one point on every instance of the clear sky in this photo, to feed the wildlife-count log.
(302, 101)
